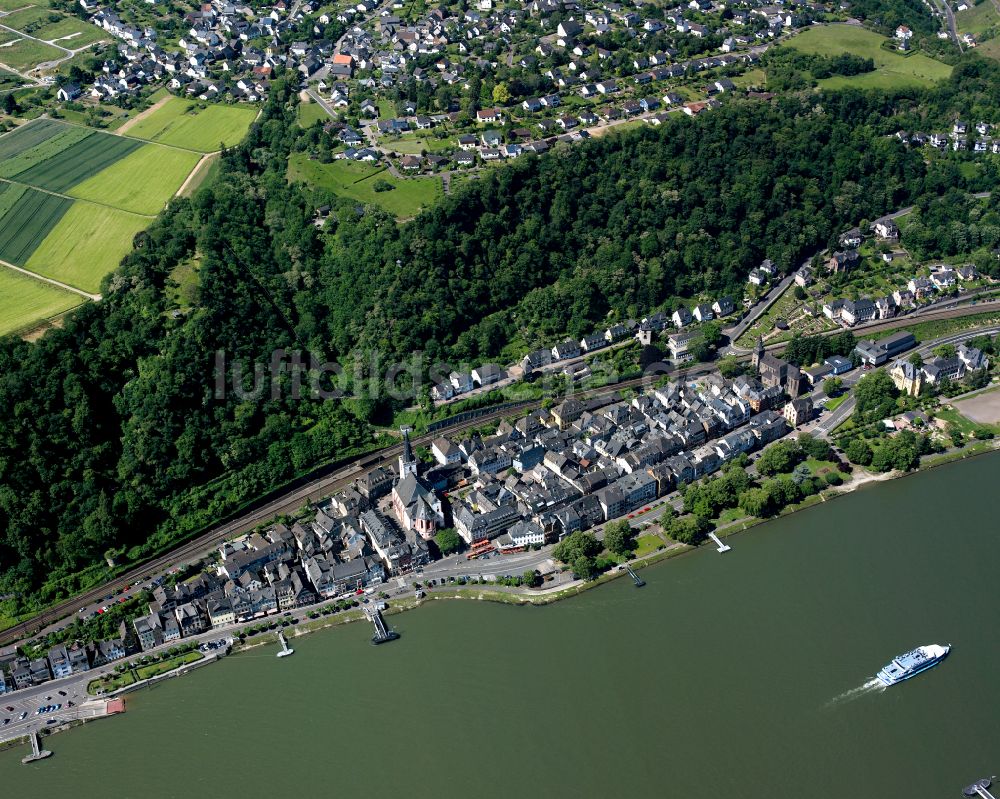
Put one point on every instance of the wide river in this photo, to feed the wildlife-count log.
(738, 675)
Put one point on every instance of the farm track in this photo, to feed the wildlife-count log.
(50, 281)
(131, 123)
(204, 162)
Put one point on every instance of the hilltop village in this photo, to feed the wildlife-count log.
(481, 83)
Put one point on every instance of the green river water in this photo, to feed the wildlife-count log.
(736, 675)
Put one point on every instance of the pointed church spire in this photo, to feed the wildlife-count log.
(407, 461)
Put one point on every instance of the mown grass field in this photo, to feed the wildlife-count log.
(413, 144)
(310, 113)
(78, 162)
(27, 222)
(183, 124)
(357, 182)
(24, 54)
(88, 242)
(71, 32)
(51, 25)
(892, 70)
(165, 167)
(24, 300)
(29, 17)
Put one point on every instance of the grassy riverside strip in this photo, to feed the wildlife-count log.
(116, 680)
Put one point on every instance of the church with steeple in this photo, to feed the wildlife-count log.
(416, 505)
(407, 460)
(774, 371)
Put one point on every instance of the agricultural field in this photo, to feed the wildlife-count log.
(53, 26)
(88, 242)
(199, 127)
(892, 69)
(25, 159)
(27, 222)
(24, 300)
(77, 162)
(26, 137)
(23, 54)
(356, 181)
(116, 185)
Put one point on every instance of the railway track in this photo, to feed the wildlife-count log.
(343, 475)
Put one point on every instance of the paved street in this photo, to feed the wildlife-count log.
(760, 308)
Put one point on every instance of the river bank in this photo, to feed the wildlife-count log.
(749, 668)
(541, 597)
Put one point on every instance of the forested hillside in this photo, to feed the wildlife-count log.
(111, 437)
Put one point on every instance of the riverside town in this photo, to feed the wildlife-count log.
(619, 379)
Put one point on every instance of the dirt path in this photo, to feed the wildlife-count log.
(148, 112)
(204, 163)
(64, 286)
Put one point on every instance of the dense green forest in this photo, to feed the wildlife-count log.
(956, 223)
(112, 439)
(887, 15)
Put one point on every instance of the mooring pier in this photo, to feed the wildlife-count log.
(639, 582)
(382, 631)
(979, 788)
(37, 753)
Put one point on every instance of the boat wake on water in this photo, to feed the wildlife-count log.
(873, 686)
